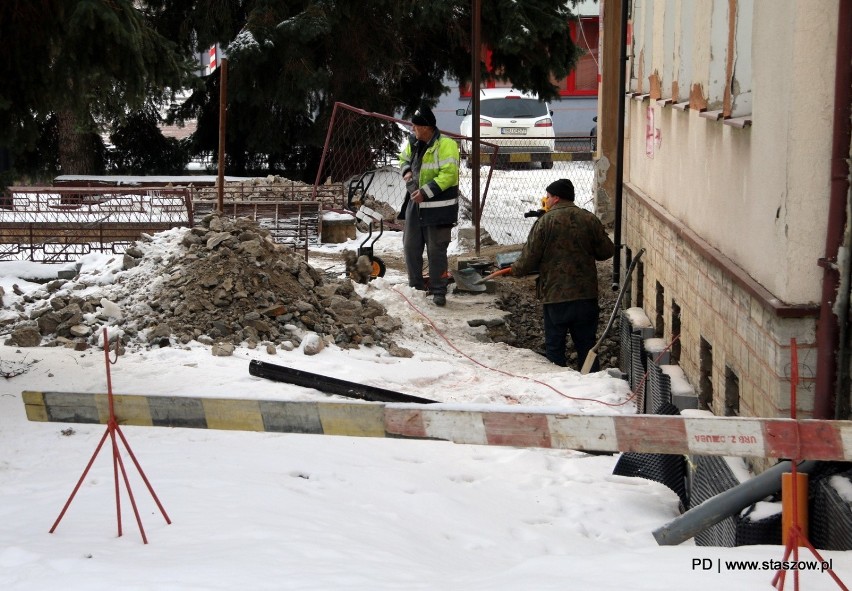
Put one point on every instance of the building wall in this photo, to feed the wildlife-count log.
(732, 205)
(761, 192)
(733, 314)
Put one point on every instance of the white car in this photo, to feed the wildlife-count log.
(515, 121)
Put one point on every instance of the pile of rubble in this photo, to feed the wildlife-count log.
(224, 282)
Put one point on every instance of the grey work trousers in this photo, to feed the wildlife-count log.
(435, 239)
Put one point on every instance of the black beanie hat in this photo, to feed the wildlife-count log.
(424, 116)
(563, 188)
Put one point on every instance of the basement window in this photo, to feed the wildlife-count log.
(705, 377)
(675, 348)
(659, 320)
(732, 393)
(640, 280)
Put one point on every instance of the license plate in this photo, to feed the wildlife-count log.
(514, 131)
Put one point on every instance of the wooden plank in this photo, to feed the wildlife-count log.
(232, 415)
(583, 432)
(137, 409)
(72, 408)
(404, 422)
(665, 435)
(34, 406)
(784, 438)
(457, 426)
(517, 430)
(293, 417)
(354, 420)
(175, 411)
(746, 439)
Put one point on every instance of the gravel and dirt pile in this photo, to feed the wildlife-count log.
(224, 282)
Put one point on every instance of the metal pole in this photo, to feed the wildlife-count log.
(726, 504)
(318, 179)
(828, 401)
(475, 50)
(619, 156)
(223, 94)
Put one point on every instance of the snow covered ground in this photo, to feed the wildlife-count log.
(281, 511)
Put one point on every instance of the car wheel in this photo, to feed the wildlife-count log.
(547, 164)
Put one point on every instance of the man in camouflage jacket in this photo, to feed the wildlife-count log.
(563, 246)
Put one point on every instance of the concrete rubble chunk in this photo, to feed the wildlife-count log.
(25, 335)
(80, 330)
(312, 344)
(222, 349)
(217, 239)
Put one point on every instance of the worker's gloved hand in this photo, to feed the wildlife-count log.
(411, 186)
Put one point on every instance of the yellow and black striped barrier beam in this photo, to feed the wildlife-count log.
(529, 157)
(364, 419)
(470, 424)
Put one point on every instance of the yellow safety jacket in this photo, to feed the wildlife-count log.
(435, 166)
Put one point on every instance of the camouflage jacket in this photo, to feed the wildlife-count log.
(563, 246)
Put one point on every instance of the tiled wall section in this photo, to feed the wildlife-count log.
(745, 335)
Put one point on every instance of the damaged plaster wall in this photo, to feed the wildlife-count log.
(759, 194)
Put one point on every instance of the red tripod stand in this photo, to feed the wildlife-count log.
(117, 462)
(796, 536)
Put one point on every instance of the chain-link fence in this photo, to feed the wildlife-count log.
(362, 150)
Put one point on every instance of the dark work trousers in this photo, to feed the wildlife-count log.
(435, 239)
(580, 318)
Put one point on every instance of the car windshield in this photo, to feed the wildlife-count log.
(512, 107)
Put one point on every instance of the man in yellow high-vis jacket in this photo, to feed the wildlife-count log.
(429, 163)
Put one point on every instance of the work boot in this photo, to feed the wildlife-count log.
(440, 299)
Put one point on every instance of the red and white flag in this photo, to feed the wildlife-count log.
(211, 65)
